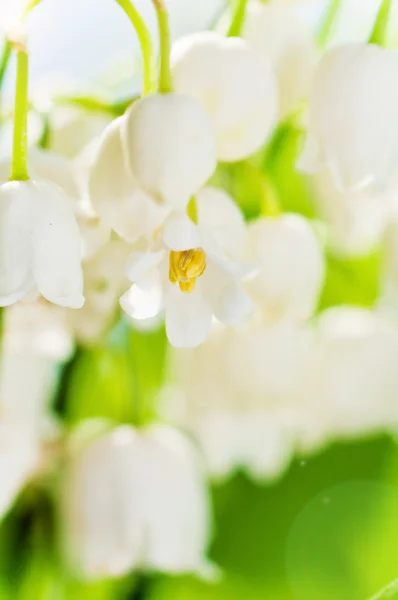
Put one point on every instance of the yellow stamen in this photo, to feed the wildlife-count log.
(186, 266)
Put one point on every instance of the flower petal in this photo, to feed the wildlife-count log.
(140, 263)
(56, 248)
(188, 317)
(230, 303)
(180, 233)
(16, 218)
(115, 194)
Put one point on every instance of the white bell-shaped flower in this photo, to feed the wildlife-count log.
(197, 269)
(114, 192)
(234, 396)
(40, 245)
(136, 499)
(291, 267)
(356, 221)
(234, 83)
(352, 385)
(170, 147)
(276, 30)
(353, 125)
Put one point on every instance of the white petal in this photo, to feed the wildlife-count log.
(17, 210)
(114, 192)
(54, 168)
(234, 83)
(188, 317)
(219, 213)
(145, 299)
(170, 145)
(140, 263)
(180, 233)
(229, 301)
(56, 248)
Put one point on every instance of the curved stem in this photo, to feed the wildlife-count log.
(378, 35)
(328, 21)
(19, 163)
(146, 45)
(165, 80)
(238, 19)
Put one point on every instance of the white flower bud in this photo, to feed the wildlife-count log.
(170, 146)
(236, 86)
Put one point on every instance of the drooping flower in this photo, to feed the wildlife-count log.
(40, 245)
(234, 83)
(170, 147)
(193, 273)
(136, 499)
(351, 385)
(353, 125)
(275, 30)
(114, 192)
(234, 395)
(291, 267)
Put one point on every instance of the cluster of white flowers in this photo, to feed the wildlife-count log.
(125, 219)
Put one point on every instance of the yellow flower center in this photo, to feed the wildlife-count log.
(186, 266)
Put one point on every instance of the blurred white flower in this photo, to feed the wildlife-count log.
(72, 128)
(275, 30)
(197, 269)
(234, 395)
(40, 245)
(356, 220)
(291, 267)
(353, 127)
(170, 147)
(234, 83)
(136, 499)
(114, 193)
(104, 281)
(352, 384)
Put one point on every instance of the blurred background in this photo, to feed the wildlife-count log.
(326, 528)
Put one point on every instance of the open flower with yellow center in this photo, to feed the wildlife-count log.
(193, 273)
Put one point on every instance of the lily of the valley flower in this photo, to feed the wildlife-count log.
(40, 245)
(197, 270)
(170, 147)
(291, 267)
(137, 499)
(353, 127)
(114, 192)
(276, 31)
(234, 83)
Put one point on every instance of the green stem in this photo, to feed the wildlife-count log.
(328, 21)
(238, 19)
(379, 33)
(146, 44)
(19, 164)
(30, 6)
(165, 79)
